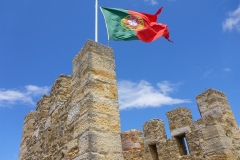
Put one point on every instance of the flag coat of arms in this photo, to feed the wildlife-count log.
(125, 25)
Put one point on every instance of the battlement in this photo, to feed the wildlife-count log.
(80, 117)
(214, 136)
(212, 101)
(30, 116)
(79, 120)
(180, 121)
(43, 103)
(132, 140)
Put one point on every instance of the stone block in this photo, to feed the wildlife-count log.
(193, 140)
(216, 143)
(43, 103)
(43, 115)
(199, 124)
(99, 142)
(221, 154)
(73, 114)
(61, 85)
(103, 75)
(30, 116)
(81, 125)
(72, 149)
(98, 89)
(76, 96)
(98, 122)
(180, 131)
(216, 110)
(132, 140)
(101, 105)
(90, 156)
(114, 156)
(78, 63)
(114, 124)
(135, 155)
(72, 144)
(168, 150)
(47, 123)
(55, 115)
(213, 131)
(213, 120)
(101, 62)
(222, 104)
(180, 118)
(36, 132)
(212, 103)
(154, 129)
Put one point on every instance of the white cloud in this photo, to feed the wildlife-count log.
(13, 96)
(35, 90)
(151, 2)
(232, 21)
(143, 95)
(208, 73)
(166, 87)
(226, 70)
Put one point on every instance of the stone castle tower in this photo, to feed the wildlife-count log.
(80, 120)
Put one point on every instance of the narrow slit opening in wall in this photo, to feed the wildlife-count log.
(182, 145)
(153, 151)
(186, 144)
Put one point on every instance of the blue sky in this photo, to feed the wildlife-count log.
(38, 40)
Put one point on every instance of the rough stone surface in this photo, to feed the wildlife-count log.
(79, 120)
(213, 137)
(132, 140)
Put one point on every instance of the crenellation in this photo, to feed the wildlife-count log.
(60, 90)
(180, 121)
(214, 136)
(43, 103)
(132, 140)
(211, 99)
(154, 132)
(154, 128)
(91, 46)
(79, 120)
(28, 128)
(30, 116)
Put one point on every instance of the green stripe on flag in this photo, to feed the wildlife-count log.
(116, 31)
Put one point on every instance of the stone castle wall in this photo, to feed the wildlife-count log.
(79, 120)
(215, 136)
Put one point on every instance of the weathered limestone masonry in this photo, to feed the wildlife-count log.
(79, 120)
(213, 137)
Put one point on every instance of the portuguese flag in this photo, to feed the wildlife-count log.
(125, 25)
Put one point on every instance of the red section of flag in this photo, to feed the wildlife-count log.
(151, 30)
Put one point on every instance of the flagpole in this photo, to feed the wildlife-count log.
(96, 21)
